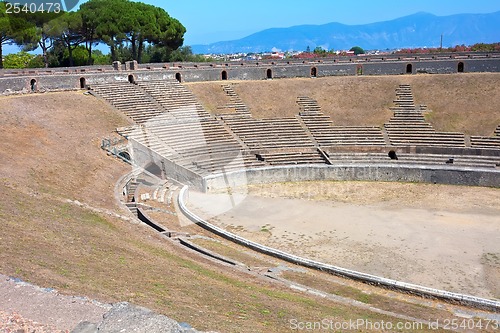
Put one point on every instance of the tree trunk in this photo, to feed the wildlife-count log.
(139, 51)
(113, 52)
(43, 46)
(70, 52)
(89, 48)
(133, 41)
(1, 56)
(45, 58)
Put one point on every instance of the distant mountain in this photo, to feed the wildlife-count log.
(417, 30)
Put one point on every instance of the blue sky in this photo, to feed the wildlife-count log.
(212, 21)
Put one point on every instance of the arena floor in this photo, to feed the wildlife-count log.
(446, 237)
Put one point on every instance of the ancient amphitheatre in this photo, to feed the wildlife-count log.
(52, 148)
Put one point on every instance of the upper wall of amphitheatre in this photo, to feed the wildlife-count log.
(70, 78)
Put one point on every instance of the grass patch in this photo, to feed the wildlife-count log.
(232, 251)
(389, 304)
(492, 259)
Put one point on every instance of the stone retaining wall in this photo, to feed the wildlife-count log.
(160, 166)
(357, 172)
(41, 80)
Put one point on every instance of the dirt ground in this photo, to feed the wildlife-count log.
(441, 236)
(50, 144)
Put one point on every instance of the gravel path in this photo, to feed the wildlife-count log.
(28, 308)
(14, 322)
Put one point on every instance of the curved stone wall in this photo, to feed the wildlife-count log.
(363, 172)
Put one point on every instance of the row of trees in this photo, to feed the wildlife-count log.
(58, 57)
(126, 27)
(320, 52)
(479, 47)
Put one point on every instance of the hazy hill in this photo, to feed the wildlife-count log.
(417, 30)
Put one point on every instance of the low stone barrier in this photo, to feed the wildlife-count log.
(451, 175)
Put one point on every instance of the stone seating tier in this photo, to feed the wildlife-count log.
(127, 98)
(293, 157)
(422, 159)
(174, 97)
(485, 142)
(325, 134)
(349, 135)
(408, 125)
(308, 106)
(235, 102)
(209, 166)
(269, 133)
